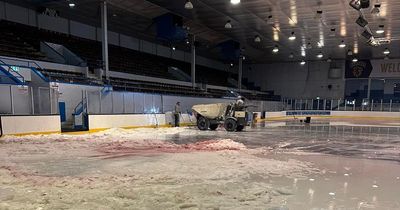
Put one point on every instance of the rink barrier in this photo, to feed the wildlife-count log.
(331, 114)
(99, 122)
(30, 124)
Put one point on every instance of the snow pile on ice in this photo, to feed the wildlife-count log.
(222, 144)
(139, 132)
(142, 168)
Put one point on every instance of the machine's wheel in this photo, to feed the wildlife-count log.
(213, 127)
(230, 125)
(239, 128)
(203, 123)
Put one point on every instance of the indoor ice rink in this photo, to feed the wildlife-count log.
(199, 104)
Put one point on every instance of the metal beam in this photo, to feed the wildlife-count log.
(369, 89)
(104, 27)
(193, 62)
(240, 74)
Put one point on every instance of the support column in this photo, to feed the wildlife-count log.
(193, 62)
(240, 73)
(369, 89)
(104, 35)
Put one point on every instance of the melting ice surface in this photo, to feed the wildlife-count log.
(274, 166)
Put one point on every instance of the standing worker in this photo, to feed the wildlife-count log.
(177, 113)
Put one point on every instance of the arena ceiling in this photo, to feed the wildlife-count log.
(318, 25)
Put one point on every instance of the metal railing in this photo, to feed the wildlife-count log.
(20, 62)
(378, 105)
(13, 73)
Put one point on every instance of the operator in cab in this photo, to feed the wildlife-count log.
(240, 102)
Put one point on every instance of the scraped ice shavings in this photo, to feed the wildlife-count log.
(223, 144)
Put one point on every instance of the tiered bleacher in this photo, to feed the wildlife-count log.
(15, 42)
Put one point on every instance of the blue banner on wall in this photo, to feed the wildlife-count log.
(360, 69)
(170, 28)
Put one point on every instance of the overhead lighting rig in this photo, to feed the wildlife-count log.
(359, 4)
(376, 10)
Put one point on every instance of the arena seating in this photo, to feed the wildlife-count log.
(11, 45)
(15, 42)
(121, 59)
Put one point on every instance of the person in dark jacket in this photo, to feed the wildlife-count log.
(177, 113)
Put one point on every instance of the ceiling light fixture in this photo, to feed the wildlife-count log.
(359, 4)
(320, 55)
(173, 48)
(292, 37)
(276, 49)
(234, 2)
(349, 52)
(302, 63)
(381, 29)
(355, 60)
(386, 51)
(342, 45)
(257, 39)
(188, 5)
(319, 14)
(228, 24)
(270, 21)
(309, 45)
(71, 5)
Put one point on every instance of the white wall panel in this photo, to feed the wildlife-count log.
(17, 14)
(94, 102)
(118, 105)
(129, 42)
(293, 80)
(5, 99)
(148, 103)
(164, 51)
(139, 102)
(147, 47)
(188, 57)
(366, 114)
(178, 55)
(113, 38)
(82, 30)
(32, 21)
(129, 102)
(107, 103)
(22, 100)
(124, 121)
(134, 120)
(157, 104)
(57, 24)
(343, 114)
(13, 125)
